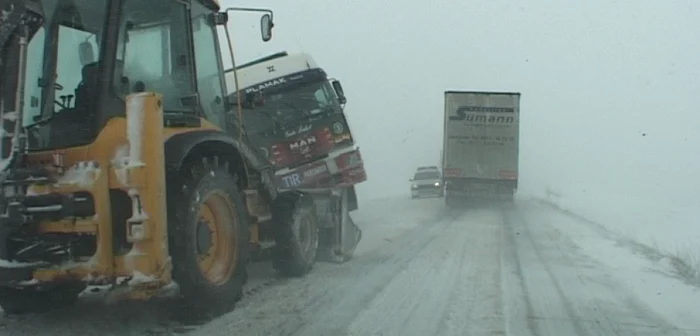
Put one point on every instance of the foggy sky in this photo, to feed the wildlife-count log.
(609, 89)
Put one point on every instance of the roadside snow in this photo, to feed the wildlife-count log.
(667, 223)
(651, 281)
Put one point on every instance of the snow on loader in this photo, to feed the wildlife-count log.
(124, 165)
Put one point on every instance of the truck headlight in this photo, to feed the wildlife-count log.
(437, 184)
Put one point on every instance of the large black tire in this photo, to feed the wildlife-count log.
(19, 301)
(296, 234)
(208, 265)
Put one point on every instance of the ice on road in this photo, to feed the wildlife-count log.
(423, 270)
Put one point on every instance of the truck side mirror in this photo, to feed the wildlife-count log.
(339, 92)
(266, 25)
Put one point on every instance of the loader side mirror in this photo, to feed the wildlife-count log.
(85, 53)
(266, 25)
(338, 88)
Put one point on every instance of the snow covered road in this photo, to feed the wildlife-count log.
(422, 270)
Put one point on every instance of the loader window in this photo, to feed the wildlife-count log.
(32, 91)
(69, 67)
(154, 51)
(208, 64)
(60, 91)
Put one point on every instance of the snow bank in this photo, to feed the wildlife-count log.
(650, 218)
(650, 280)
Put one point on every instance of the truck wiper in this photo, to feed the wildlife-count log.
(295, 108)
(273, 118)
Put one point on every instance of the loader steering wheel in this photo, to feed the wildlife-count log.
(58, 87)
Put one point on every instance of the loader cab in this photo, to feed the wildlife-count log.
(90, 54)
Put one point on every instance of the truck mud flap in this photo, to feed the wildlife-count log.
(346, 235)
(350, 238)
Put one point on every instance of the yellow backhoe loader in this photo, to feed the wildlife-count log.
(123, 163)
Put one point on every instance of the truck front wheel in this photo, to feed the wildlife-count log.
(208, 236)
(296, 234)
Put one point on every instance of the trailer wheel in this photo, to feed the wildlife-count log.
(208, 237)
(296, 235)
(19, 301)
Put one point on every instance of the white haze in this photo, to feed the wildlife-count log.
(609, 91)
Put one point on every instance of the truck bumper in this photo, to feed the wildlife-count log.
(480, 188)
(341, 169)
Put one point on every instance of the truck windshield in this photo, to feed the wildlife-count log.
(300, 103)
(427, 175)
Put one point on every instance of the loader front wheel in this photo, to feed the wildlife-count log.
(208, 237)
(296, 235)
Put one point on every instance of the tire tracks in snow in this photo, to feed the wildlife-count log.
(591, 301)
(438, 293)
(475, 304)
(332, 296)
(550, 304)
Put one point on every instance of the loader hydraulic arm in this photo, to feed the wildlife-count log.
(19, 20)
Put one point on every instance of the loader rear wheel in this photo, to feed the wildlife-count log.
(296, 235)
(208, 237)
(19, 301)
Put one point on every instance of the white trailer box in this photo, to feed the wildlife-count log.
(480, 144)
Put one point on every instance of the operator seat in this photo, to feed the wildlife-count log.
(86, 91)
(74, 123)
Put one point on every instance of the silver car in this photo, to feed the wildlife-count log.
(427, 182)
